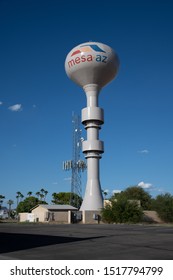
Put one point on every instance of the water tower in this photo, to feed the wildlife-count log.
(92, 65)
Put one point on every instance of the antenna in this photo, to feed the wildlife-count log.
(76, 165)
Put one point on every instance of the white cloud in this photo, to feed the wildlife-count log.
(116, 191)
(1, 103)
(15, 108)
(145, 185)
(67, 179)
(145, 151)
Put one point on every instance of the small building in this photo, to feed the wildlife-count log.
(3, 213)
(56, 213)
(48, 213)
(26, 217)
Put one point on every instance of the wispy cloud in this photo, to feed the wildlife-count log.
(1, 103)
(15, 108)
(145, 151)
(67, 179)
(116, 191)
(160, 190)
(145, 185)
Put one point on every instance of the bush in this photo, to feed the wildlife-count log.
(163, 204)
(122, 211)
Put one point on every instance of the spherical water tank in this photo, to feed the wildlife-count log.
(92, 63)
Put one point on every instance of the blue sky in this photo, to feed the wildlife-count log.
(37, 98)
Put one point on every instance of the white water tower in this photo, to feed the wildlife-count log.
(92, 65)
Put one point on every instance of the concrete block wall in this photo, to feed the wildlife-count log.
(91, 217)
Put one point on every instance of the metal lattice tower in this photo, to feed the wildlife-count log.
(76, 165)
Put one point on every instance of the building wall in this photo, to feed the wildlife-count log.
(44, 215)
(3, 214)
(41, 214)
(61, 216)
(23, 217)
(91, 217)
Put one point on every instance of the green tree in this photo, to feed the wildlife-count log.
(9, 202)
(108, 215)
(19, 197)
(41, 196)
(29, 193)
(122, 211)
(42, 193)
(65, 197)
(163, 204)
(27, 204)
(38, 194)
(45, 194)
(136, 193)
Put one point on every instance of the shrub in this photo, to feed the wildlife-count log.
(163, 204)
(122, 211)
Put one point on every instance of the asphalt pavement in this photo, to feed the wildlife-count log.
(85, 242)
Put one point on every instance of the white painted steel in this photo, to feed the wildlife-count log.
(92, 62)
(92, 65)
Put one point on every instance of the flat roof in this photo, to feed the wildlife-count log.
(56, 207)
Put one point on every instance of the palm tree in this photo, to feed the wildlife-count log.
(42, 193)
(29, 193)
(41, 196)
(38, 194)
(55, 199)
(42, 190)
(45, 194)
(19, 195)
(9, 202)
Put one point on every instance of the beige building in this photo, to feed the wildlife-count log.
(60, 214)
(48, 213)
(56, 213)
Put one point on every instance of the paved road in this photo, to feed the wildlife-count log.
(92, 242)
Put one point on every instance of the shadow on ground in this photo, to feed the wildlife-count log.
(17, 241)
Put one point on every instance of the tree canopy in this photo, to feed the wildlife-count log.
(135, 193)
(122, 211)
(124, 206)
(163, 204)
(28, 203)
(67, 198)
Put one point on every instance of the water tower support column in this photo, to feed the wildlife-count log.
(92, 65)
(92, 119)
